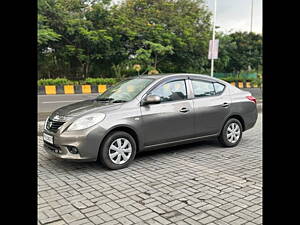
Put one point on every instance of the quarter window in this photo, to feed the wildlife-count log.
(171, 91)
(203, 88)
(219, 88)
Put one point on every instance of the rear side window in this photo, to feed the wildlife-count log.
(219, 88)
(203, 88)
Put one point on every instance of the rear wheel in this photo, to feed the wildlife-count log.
(118, 150)
(231, 133)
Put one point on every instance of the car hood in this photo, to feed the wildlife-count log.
(80, 108)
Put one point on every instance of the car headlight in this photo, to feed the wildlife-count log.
(45, 124)
(87, 121)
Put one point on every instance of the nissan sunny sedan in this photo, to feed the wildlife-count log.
(149, 112)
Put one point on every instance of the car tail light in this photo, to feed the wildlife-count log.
(251, 98)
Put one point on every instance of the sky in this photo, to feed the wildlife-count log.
(235, 15)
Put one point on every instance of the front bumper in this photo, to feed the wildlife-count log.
(64, 153)
(86, 141)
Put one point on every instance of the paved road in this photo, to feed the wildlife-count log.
(48, 103)
(200, 183)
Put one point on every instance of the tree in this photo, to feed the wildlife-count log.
(184, 25)
(80, 38)
(238, 51)
(82, 41)
(149, 55)
(45, 34)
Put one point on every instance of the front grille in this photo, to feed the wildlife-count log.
(53, 125)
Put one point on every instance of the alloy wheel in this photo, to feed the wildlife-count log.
(233, 133)
(120, 151)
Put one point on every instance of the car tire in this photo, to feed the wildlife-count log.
(111, 154)
(233, 127)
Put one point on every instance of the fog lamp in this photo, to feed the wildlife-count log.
(72, 149)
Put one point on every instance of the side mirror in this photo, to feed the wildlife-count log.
(151, 99)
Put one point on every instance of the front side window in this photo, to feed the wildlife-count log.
(171, 91)
(203, 88)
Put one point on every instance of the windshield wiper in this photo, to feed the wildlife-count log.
(104, 99)
(119, 101)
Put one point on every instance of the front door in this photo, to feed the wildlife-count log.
(172, 119)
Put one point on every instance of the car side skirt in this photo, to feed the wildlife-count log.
(179, 142)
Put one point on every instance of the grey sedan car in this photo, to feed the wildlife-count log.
(149, 112)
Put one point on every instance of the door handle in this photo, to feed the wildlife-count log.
(184, 110)
(225, 104)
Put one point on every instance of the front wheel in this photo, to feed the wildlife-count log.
(231, 133)
(118, 150)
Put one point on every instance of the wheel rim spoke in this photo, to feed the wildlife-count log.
(112, 147)
(124, 156)
(113, 155)
(126, 142)
(119, 143)
(118, 159)
(127, 150)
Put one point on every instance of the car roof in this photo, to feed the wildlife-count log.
(201, 76)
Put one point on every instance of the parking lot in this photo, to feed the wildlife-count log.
(200, 183)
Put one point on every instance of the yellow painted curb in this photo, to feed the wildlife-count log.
(248, 85)
(101, 88)
(240, 85)
(232, 83)
(86, 89)
(69, 89)
(50, 89)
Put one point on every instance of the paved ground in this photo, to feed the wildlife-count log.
(200, 183)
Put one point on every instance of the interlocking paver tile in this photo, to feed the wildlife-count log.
(200, 183)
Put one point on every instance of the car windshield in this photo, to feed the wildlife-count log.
(125, 90)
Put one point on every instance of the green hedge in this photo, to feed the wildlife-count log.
(240, 79)
(57, 81)
(64, 81)
(96, 81)
(111, 81)
(257, 81)
(242, 75)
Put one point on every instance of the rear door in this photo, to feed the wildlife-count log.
(170, 120)
(211, 104)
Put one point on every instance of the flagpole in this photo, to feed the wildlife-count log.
(251, 16)
(213, 40)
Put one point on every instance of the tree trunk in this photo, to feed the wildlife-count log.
(87, 67)
(82, 70)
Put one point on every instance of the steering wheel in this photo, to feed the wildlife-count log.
(126, 95)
